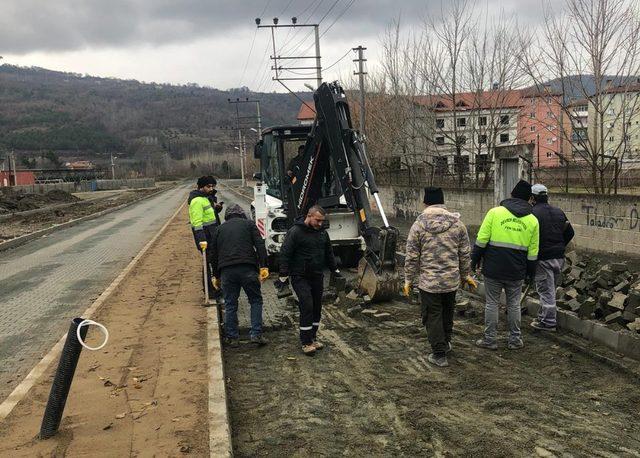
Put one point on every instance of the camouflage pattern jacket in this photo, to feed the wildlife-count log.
(437, 251)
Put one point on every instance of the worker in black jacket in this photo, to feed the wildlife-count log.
(555, 234)
(239, 260)
(305, 253)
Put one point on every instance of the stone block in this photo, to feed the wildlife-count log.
(571, 293)
(605, 273)
(368, 312)
(587, 308)
(382, 316)
(622, 287)
(617, 301)
(581, 285)
(619, 267)
(634, 325)
(574, 305)
(614, 317)
(634, 298)
(353, 295)
(604, 297)
(628, 315)
(353, 311)
(602, 282)
(572, 257)
(576, 273)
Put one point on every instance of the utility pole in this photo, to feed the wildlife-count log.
(239, 127)
(113, 167)
(279, 69)
(361, 60)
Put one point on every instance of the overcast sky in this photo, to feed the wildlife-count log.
(208, 42)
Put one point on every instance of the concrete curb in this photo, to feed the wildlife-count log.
(15, 242)
(34, 375)
(626, 343)
(219, 429)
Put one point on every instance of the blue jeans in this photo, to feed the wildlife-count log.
(233, 278)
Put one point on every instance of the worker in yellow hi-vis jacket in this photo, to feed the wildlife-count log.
(203, 221)
(507, 247)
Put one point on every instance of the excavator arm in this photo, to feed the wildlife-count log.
(335, 150)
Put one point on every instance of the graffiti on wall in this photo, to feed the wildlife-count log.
(628, 219)
(404, 203)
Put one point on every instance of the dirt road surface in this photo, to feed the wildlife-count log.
(371, 392)
(145, 393)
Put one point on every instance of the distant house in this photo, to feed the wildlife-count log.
(306, 115)
(80, 165)
(16, 178)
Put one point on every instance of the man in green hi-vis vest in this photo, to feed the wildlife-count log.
(507, 248)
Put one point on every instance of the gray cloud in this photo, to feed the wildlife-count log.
(66, 25)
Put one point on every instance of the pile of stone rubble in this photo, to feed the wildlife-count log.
(608, 292)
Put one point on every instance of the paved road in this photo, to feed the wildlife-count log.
(49, 281)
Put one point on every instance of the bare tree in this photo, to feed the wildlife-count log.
(590, 51)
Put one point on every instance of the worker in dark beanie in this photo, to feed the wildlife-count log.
(437, 262)
(507, 249)
(203, 222)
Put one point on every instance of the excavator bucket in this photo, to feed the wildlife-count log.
(379, 284)
(377, 272)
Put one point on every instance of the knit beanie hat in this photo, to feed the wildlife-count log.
(522, 190)
(433, 196)
(203, 181)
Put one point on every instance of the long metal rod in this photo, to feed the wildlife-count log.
(382, 213)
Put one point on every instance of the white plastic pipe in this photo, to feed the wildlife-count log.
(102, 328)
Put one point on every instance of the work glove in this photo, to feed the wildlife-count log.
(406, 289)
(264, 274)
(216, 282)
(470, 282)
(203, 245)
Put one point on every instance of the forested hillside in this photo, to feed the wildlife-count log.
(46, 115)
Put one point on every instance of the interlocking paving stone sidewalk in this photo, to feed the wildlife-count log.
(51, 280)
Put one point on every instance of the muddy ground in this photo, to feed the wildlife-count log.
(145, 393)
(42, 218)
(372, 392)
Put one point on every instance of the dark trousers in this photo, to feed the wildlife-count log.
(309, 292)
(233, 279)
(437, 317)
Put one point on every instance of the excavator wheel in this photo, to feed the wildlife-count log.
(379, 286)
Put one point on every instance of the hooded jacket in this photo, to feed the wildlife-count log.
(437, 251)
(507, 242)
(306, 251)
(555, 231)
(201, 216)
(237, 241)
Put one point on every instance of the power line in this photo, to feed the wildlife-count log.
(248, 57)
(290, 51)
(337, 61)
(328, 28)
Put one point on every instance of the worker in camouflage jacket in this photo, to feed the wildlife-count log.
(438, 263)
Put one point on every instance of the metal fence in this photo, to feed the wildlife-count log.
(86, 186)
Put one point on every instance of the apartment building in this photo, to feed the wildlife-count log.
(621, 125)
(473, 123)
(541, 123)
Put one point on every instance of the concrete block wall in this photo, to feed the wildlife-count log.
(608, 224)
